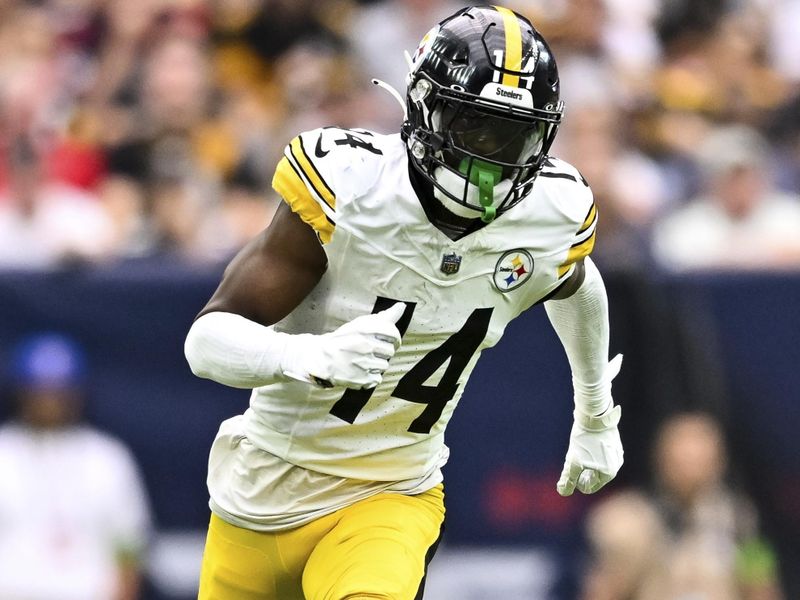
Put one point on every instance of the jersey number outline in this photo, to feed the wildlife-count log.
(458, 349)
(560, 174)
(354, 141)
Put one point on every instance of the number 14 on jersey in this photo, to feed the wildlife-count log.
(458, 349)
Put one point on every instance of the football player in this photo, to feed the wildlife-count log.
(358, 315)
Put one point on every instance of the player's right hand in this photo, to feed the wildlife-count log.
(355, 355)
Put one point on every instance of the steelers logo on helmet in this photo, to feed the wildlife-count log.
(483, 110)
(513, 269)
(424, 47)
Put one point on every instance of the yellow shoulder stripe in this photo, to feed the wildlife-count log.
(589, 220)
(577, 252)
(513, 54)
(288, 183)
(310, 171)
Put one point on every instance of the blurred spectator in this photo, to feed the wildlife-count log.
(266, 29)
(46, 223)
(73, 512)
(382, 32)
(144, 113)
(628, 186)
(379, 34)
(629, 545)
(173, 102)
(721, 72)
(743, 221)
(693, 538)
(124, 200)
(240, 216)
(784, 38)
(319, 86)
(716, 528)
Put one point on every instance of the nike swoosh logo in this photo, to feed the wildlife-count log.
(318, 151)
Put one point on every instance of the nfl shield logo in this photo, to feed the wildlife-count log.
(451, 263)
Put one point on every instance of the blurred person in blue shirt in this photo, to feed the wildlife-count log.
(74, 515)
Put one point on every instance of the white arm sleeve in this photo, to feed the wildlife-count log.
(236, 351)
(581, 322)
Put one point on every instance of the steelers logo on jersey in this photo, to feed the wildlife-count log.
(513, 269)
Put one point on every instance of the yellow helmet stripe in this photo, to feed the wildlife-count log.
(513, 53)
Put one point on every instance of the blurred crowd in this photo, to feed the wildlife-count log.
(139, 129)
(690, 535)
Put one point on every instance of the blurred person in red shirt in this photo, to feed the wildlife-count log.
(44, 223)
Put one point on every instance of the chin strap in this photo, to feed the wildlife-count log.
(485, 176)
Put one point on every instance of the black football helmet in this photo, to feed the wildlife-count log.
(483, 108)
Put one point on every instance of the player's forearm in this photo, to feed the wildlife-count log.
(581, 322)
(232, 350)
(235, 351)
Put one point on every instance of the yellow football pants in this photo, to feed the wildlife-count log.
(376, 548)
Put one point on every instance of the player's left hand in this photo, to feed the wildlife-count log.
(595, 450)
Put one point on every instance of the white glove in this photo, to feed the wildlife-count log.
(595, 450)
(354, 356)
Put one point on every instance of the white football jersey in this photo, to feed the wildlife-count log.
(301, 451)
(353, 188)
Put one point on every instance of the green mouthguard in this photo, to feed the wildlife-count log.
(484, 175)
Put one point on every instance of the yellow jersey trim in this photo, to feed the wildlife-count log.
(289, 184)
(577, 252)
(513, 54)
(590, 219)
(564, 271)
(310, 171)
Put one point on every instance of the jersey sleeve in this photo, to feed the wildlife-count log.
(306, 186)
(324, 169)
(574, 203)
(582, 242)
